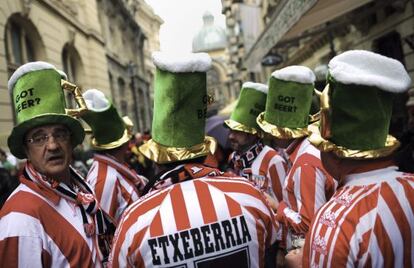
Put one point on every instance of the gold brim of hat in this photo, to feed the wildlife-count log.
(281, 132)
(163, 154)
(107, 146)
(391, 145)
(234, 125)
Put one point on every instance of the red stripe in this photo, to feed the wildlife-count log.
(100, 180)
(261, 240)
(363, 246)
(264, 167)
(230, 186)
(205, 201)
(384, 243)
(401, 219)
(408, 190)
(9, 249)
(136, 243)
(340, 247)
(156, 226)
(179, 208)
(71, 243)
(131, 217)
(233, 206)
(276, 183)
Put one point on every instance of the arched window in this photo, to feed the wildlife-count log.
(111, 86)
(22, 42)
(72, 67)
(121, 92)
(213, 83)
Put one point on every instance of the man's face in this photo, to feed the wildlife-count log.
(241, 141)
(280, 143)
(49, 150)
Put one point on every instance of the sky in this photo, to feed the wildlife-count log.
(182, 20)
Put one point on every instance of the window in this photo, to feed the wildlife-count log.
(23, 44)
(71, 65)
(19, 48)
(124, 108)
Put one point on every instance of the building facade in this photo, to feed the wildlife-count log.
(127, 46)
(212, 39)
(97, 43)
(311, 32)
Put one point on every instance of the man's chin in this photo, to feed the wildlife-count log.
(56, 170)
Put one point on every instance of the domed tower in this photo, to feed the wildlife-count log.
(212, 39)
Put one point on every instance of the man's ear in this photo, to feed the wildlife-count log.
(26, 150)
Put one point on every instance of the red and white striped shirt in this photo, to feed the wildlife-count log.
(269, 171)
(369, 222)
(115, 185)
(212, 221)
(307, 187)
(38, 228)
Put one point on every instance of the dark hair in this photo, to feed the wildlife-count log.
(169, 166)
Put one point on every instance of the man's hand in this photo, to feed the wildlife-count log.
(294, 258)
(273, 202)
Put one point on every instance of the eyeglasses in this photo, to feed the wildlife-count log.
(58, 136)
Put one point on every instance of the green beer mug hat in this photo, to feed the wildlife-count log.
(180, 106)
(38, 100)
(356, 105)
(251, 103)
(288, 103)
(109, 130)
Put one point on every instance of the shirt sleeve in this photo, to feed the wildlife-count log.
(308, 194)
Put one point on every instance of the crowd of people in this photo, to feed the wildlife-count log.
(300, 188)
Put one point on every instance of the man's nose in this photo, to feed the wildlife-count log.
(51, 143)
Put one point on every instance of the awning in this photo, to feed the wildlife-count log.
(293, 17)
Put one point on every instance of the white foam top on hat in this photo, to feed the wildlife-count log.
(96, 100)
(182, 63)
(366, 68)
(63, 75)
(257, 86)
(27, 68)
(295, 73)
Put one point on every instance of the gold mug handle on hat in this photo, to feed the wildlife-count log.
(80, 101)
(317, 116)
(325, 126)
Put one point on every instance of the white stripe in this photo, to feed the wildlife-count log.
(364, 225)
(109, 188)
(296, 187)
(398, 190)
(258, 162)
(344, 217)
(92, 176)
(140, 223)
(219, 200)
(32, 240)
(247, 200)
(320, 194)
(327, 207)
(377, 260)
(167, 215)
(393, 232)
(66, 210)
(314, 233)
(192, 204)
